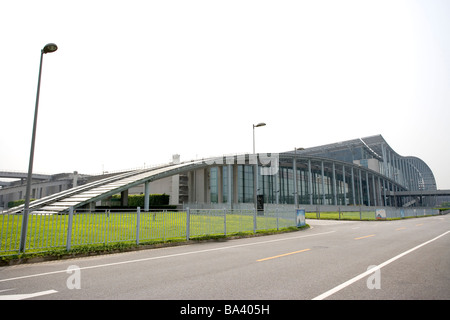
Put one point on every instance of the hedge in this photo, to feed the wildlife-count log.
(137, 200)
(12, 204)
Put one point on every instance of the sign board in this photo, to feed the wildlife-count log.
(301, 217)
(260, 204)
(380, 214)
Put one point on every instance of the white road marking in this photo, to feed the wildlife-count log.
(166, 256)
(26, 295)
(327, 222)
(370, 271)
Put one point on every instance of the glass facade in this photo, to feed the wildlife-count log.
(362, 171)
(214, 184)
(225, 174)
(245, 184)
(318, 182)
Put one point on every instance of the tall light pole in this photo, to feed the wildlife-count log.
(49, 48)
(261, 124)
(255, 171)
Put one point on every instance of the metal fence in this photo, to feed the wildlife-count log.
(365, 212)
(80, 227)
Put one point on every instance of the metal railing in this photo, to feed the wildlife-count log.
(365, 212)
(82, 228)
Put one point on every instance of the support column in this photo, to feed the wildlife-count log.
(230, 186)
(334, 185)
(191, 186)
(361, 198)
(310, 183)
(353, 187)
(146, 195)
(374, 191)
(294, 168)
(124, 198)
(343, 179)
(390, 167)
(368, 190)
(385, 166)
(380, 200)
(277, 186)
(323, 181)
(75, 179)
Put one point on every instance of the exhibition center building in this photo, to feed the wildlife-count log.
(364, 171)
(359, 172)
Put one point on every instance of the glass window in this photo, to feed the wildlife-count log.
(248, 184)
(245, 183)
(225, 183)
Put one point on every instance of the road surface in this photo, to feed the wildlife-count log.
(410, 259)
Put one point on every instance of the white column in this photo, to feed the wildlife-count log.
(147, 196)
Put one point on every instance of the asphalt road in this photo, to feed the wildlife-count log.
(328, 261)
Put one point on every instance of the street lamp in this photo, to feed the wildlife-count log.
(261, 124)
(49, 48)
(255, 174)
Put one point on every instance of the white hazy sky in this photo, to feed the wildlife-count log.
(134, 82)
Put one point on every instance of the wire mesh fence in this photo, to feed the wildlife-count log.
(82, 227)
(365, 212)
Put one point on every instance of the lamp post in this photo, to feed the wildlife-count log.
(255, 174)
(49, 48)
(261, 124)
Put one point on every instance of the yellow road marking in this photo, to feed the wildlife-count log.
(283, 255)
(400, 228)
(371, 235)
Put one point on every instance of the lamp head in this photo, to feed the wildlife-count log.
(50, 47)
(262, 124)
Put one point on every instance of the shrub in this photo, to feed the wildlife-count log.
(138, 200)
(12, 204)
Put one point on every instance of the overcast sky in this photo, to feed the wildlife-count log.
(134, 82)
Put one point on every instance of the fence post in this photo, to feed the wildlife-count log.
(278, 214)
(69, 229)
(138, 218)
(164, 224)
(188, 223)
(254, 220)
(224, 222)
(23, 236)
(107, 225)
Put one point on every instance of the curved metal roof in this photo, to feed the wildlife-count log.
(378, 148)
